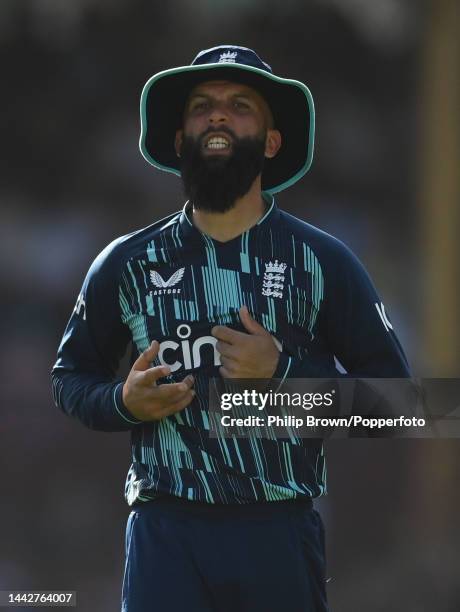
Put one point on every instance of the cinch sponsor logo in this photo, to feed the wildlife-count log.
(188, 353)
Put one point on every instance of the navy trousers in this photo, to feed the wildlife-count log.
(186, 556)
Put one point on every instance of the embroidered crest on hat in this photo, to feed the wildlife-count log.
(228, 57)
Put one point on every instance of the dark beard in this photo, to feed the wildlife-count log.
(214, 184)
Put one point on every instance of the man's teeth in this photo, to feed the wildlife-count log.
(217, 142)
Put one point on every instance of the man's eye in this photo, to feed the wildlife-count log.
(200, 106)
(240, 105)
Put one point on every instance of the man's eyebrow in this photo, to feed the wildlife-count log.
(246, 96)
(198, 94)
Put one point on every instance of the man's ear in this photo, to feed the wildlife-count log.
(272, 143)
(178, 141)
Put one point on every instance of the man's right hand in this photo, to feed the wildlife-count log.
(148, 401)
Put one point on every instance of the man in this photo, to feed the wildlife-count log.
(229, 287)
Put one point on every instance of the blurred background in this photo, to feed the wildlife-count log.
(385, 77)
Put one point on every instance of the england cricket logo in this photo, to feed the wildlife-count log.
(229, 57)
(164, 286)
(273, 284)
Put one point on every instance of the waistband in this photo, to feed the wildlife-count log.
(258, 510)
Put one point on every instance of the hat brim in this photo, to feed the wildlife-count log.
(162, 104)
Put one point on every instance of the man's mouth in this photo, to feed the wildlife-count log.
(217, 143)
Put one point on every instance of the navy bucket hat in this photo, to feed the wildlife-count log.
(165, 94)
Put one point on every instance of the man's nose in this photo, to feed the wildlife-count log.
(218, 114)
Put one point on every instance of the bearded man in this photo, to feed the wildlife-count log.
(231, 287)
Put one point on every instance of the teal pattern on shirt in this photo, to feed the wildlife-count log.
(216, 279)
(171, 283)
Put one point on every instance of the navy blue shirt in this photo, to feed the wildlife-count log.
(170, 282)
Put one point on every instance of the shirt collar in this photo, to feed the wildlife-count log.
(190, 231)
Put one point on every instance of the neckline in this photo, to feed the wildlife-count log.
(191, 231)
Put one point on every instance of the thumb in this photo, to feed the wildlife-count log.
(251, 324)
(142, 363)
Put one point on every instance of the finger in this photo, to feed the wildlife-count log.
(228, 364)
(251, 324)
(189, 380)
(224, 372)
(144, 360)
(152, 375)
(160, 397)
(180, 404)
(185, 384)
(222, 332)
(172, 392)
(226, 350)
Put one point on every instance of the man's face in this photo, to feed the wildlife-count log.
(227, 133)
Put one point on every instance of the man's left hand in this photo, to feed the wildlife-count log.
(251, 355)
